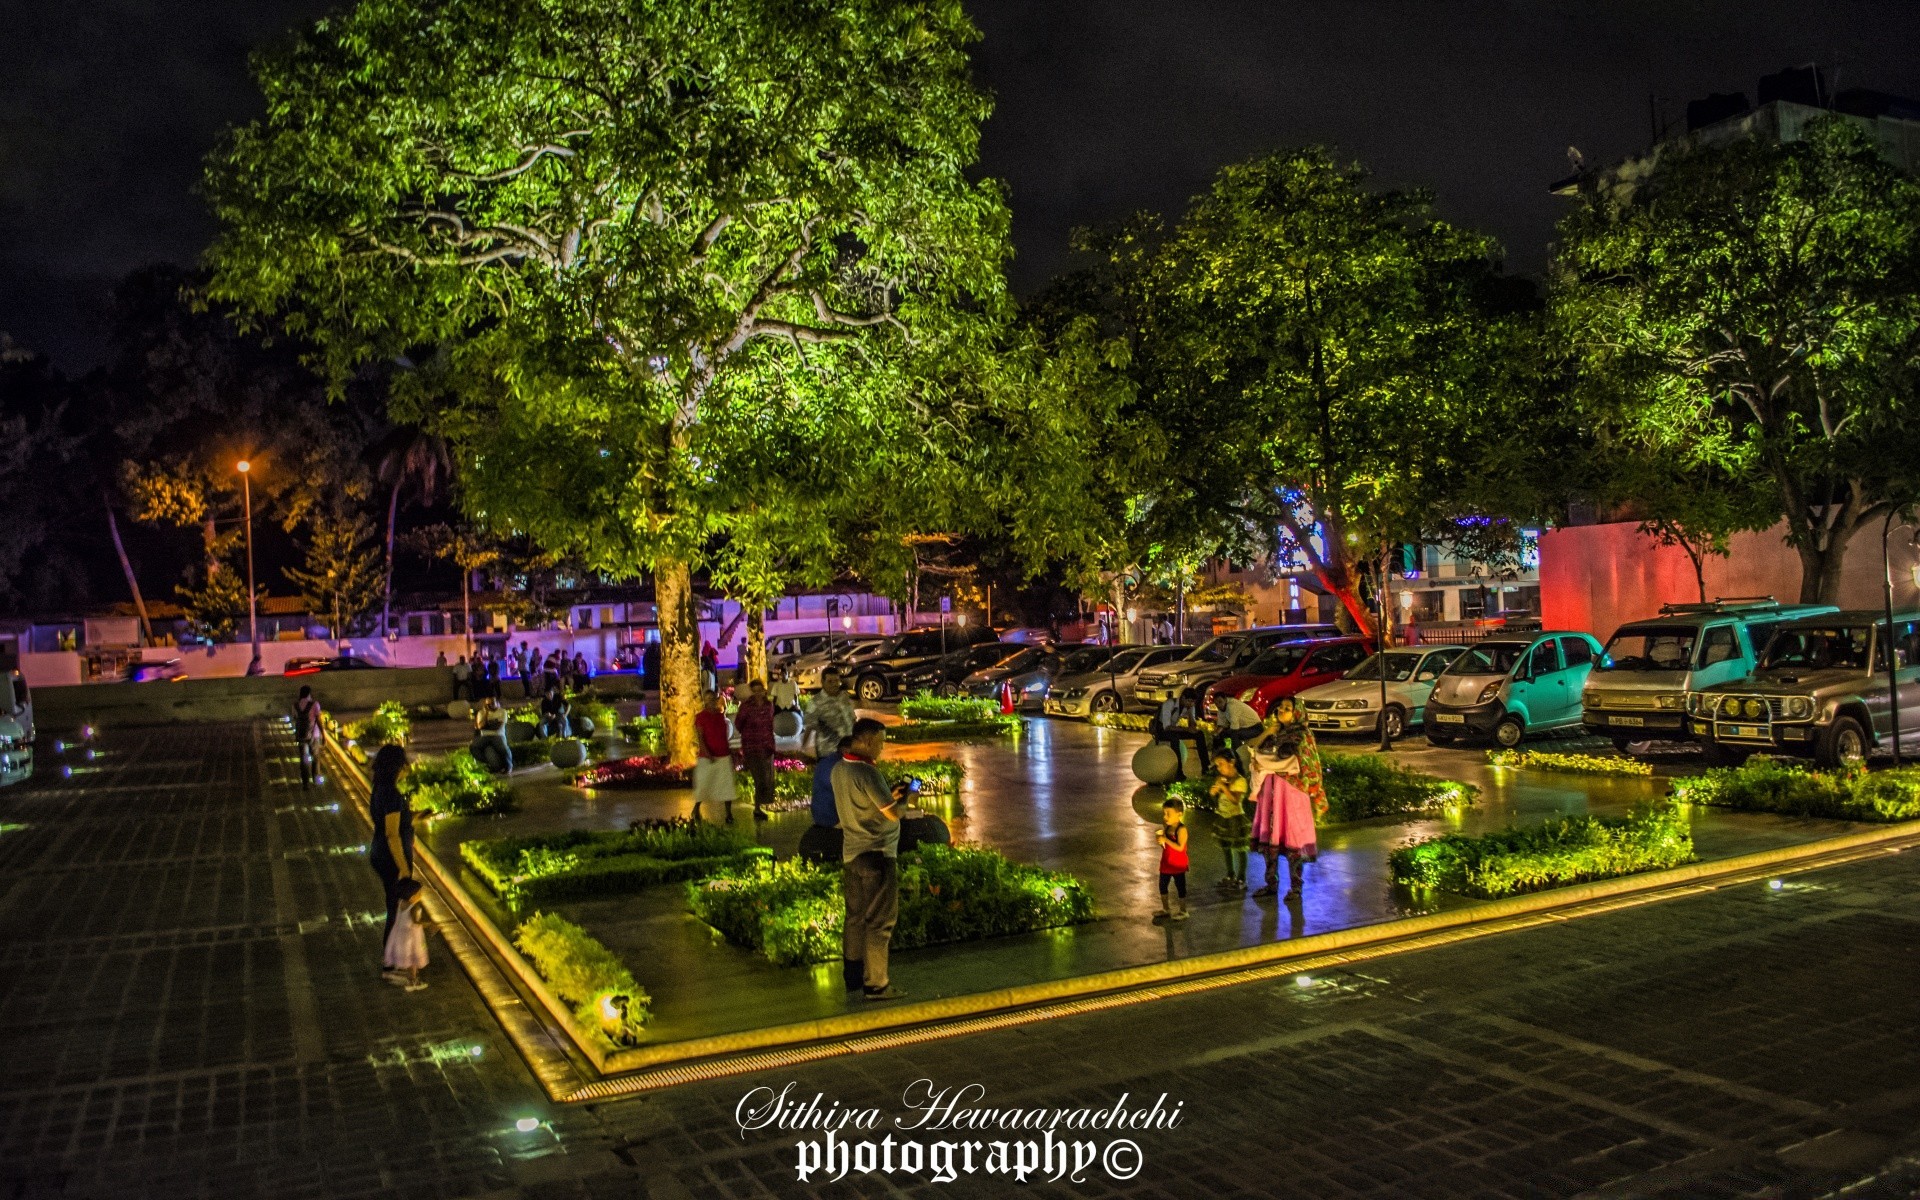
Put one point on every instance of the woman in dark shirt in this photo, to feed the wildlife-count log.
(391, 851)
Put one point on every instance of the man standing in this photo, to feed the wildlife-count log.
(463, 680)
(753, 721)
(870, 879)
(1237, 724)
(306, 732)
(830, 716)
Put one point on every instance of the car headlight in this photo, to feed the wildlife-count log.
(1351, 704)
(1756, 708)
(1593, 699)
(1799, 706)
(1491, 691)
(1247, 696)
(1038, 685)
(1669, 702)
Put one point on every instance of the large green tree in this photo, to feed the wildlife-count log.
(1751, 312)
(601, 222)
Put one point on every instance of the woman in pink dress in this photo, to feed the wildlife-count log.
(1290, 794)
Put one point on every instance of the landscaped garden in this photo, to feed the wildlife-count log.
(926, 717)
(1360, 787)
(1554, 854)
(1764, 785)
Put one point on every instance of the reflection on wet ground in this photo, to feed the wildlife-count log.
(1061, 795)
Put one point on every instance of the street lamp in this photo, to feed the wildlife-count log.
(253, 604)
(1380, 648)
(1893, 649)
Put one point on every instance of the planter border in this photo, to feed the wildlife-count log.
(576, 1072)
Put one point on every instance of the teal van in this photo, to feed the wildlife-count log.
(1509, 686)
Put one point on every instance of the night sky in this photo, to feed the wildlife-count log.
(107, 106)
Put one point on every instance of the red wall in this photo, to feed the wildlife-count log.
(1597, 577)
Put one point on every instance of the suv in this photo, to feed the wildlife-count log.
(16, 728)
(1821, 692)
(1218, 657)
(1507, 687)
(883, 672)
(1639, 687)
(942, 676)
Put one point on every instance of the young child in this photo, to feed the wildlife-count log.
(1173, 859)
(407, 944)
(1231, 824)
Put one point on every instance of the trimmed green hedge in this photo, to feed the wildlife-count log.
(925, 706)
(792, 911)
(1571, 764)
(647, 733)
(582, 864)
(793, 786)
(1763, 785)
(1535, 857)
(456, 784)
(1362, 786)
(953, 731)
(607, 1001)
(1138, 722)
(389, 725)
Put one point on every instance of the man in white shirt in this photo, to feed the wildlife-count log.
(1236, 724)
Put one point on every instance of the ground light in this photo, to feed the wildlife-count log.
(527, 1124)
(1776, 884)
(1305, 981)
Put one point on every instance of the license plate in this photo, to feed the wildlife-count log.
(1450, 718)
(1746, 731)
(1627, 720)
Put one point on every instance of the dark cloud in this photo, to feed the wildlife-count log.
(1104, 107)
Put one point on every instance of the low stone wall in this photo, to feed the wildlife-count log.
(161, 702)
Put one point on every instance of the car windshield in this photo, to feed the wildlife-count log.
(1084, 660)
(1399, 668)
(1489, 658)
(1819, 649)
(1216, 650)
(1019, 660)
(1281, 660)
(1661, 648)
(1124, 662)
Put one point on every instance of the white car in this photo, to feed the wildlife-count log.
(807, 668)
(16, 728)
(1108, 687)
(1351, 703)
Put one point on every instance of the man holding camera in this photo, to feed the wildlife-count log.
(869, 813)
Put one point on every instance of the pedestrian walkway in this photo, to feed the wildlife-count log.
(189, 1007)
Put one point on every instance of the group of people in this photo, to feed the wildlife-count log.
(1268, 792)
(479, 679)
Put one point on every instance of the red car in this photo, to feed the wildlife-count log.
(1290, 668)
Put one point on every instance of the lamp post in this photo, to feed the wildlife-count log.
(253, 604)
(1380, 648)
(1892, 651)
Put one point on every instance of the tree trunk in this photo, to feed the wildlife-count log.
(1820, 568)
(679, 656)
(1122, 626)
(757, 645)
(386, 603)
(1337, 577)
(1699, 568)
(126, 565)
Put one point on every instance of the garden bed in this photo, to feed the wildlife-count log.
(1361, 787)
(1763, 785)
(1136, 722)
(1570, 764)
(1532, 858)
(456, 784)
(931, 718)
(791, 912)
(608, 1004)
(582, 864)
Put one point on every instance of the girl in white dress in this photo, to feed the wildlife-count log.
(407, 944)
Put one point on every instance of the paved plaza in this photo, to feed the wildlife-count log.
(189, 1006)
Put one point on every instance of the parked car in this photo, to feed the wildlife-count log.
(942, 676)
(1287, 670)
(1821, 692)
(1217, 658)
(807, 668)
(1031, 681)
(882, 672)
(16, 728)
(153, 671)
(1507, 687)
(1351, 703)
(310, 666)
(1107, 687)
(1639, 687)
(783, 649)
(1024, 663)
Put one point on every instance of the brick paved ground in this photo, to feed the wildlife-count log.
(188, 1006)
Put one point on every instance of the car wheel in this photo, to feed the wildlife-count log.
(1843, 744)
(948, 689)
(1435, 737)
(872, 688)
(1396, 719)
(1105, 702)
(1509, 731)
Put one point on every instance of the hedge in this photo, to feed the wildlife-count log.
(953, 731)
(792, 911)
(925, 706)
(1139, 722)
(389, 725)
(609, 1004)
(648, 733)
(1764, 785)
(582, 864)
(1560, 852)
(1571, 764)
(1361, 786)
(456, 784)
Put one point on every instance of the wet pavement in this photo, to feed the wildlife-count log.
(1062, 795)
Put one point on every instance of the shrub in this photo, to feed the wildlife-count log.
(640, 771)
(1361, 786)
(607, 1001)
(389, 725)
(648, 733)
(937, 776)
(456, 784)
(1560, 852)
(1764, 785)
(1121, 720)
(581, 864)
(1572, 764)
(953, 731)
(925, 706)
(792, 911)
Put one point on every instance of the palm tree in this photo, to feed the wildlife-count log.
(408, 454)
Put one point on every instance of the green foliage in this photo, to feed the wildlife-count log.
(1571, 764)
(938, 776)
(792, 911)
(582, 864)
(608, 1003)
(1763, 785)
(648, 733)
(389, 725)
(1560, 852)
(214, 600)
(1360, 787)
(342, 576)
(1139, 722)
(925, 706)
(456, 784)
(997, 725)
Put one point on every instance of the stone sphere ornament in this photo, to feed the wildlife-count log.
(1156, 763)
